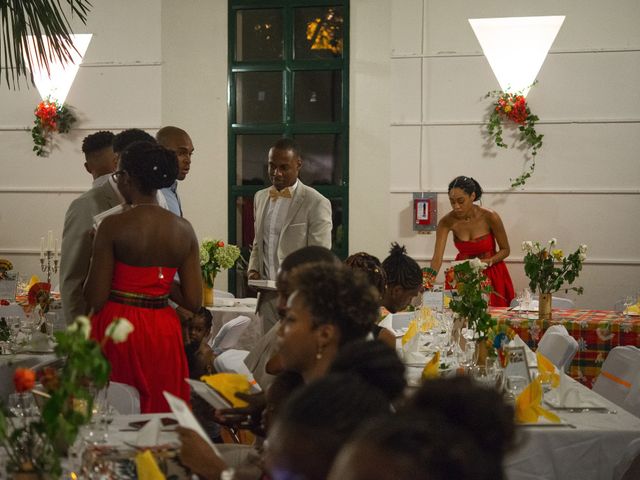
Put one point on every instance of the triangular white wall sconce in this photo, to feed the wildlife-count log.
(57, 82)
(516, 47)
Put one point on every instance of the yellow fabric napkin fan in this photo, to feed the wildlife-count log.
(228, 384)
(411, 332)
(432, 368)
(147, 467)
(528, 408)
(547, 371)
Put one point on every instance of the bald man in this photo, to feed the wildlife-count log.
(178, 141)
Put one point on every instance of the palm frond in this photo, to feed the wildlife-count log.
(23, 18)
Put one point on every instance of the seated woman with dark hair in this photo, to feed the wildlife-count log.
(404, 279)
(331, 306)
(372, 268)
(440, 435)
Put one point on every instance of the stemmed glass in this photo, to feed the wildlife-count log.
(627, 302)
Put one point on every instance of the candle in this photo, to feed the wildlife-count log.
(41, 248)
(50, 241)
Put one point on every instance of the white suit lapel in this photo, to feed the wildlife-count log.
(296, 203)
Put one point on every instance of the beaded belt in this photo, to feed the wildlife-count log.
(139, 299)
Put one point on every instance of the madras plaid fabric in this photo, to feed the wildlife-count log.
(596, 331)
(139, 299)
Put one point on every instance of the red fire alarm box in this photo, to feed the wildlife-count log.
(425, 211)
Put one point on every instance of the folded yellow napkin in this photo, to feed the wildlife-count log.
(547, 371)
(528, 408)
(228, 384)
(432, 368)
(147, 467)
(411, 332)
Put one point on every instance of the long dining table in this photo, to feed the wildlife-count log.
(596, 331)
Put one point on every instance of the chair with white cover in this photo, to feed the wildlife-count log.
(618, 375)
(558, 348)
(222, 294)
(229, 334)
(232, 361)
(124, 398)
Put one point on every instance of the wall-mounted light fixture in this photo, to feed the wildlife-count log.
(516, 47)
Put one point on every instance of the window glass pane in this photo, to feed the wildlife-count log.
(321, 159)
(259, 97)
(318, 32)
(317, 96)
(337, 232)
(252, 152)
(259, 35)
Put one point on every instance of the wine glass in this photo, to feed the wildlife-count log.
(22, 405)
(516, 385)
(484, 376)
(627, 302)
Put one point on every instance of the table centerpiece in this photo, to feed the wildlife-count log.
(34, 446)
(471, 302)
(548, 269)
(214, 256)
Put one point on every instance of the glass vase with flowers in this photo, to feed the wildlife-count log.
(548, 269)
(471, 302)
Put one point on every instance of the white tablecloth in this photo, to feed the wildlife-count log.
(591, 450)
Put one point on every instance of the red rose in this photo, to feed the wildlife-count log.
(221, 243)
(24, 379)
(4, 302)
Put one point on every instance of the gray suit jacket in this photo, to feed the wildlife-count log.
(75, 254)
(308, 222)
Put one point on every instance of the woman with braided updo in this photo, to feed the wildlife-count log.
(331, 306)
(476, 231)
(404, 279)
(135, 257)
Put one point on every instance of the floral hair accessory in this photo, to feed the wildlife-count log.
(513, 107)
(51, 117)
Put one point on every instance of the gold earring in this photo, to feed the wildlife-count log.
(319, 354)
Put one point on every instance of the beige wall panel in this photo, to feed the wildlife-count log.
(369, 113)
(404, 164)
(590, 24)
(580, 156)
(123, 32)
(406, 27)
(406, 90)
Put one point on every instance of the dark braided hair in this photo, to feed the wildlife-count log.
(125, 138)
(371, 266)
(468, 185)
(401, 269)
(97, 141)
(337, 295)
(150, 165)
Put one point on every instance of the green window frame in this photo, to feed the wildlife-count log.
(288, 66)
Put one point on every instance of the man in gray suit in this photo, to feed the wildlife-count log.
(288, 216)
(77, 237)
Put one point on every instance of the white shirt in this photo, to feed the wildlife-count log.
(101, 180)
(162, 202)
(272, 226)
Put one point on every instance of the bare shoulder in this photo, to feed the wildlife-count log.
(447, 221)
(491, 216)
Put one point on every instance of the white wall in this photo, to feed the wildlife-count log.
(586, 185)
(416, 121)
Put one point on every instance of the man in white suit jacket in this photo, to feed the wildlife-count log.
(288, 216)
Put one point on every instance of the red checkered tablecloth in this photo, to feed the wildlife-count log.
(597, 332)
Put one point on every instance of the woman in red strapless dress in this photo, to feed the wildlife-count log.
(136, 255)
(476, 232)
